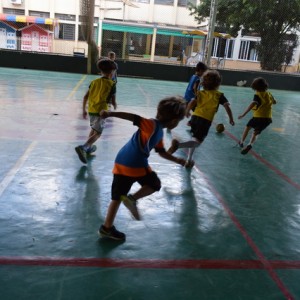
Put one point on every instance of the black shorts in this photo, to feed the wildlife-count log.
(259, 124)
(199, 128)
(122, 184)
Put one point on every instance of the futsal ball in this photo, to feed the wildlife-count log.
(220, 128)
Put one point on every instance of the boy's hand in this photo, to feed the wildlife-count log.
(231, 122)
(240, 117)
(114, 105)
(181, 161)
(84, 114)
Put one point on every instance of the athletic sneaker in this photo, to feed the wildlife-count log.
(189, 164)
(130, 203)
(81, 153)
(111, 233)
(91, 150)
(174, 146)
(246, 149)
(241, 145)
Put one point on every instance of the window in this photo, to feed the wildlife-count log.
(164, 2)
(82, 35)
(13, 11)
(142, 1)
(222, 48)
(81, 19)
(65, 17)
(66, 31)
(40, 14)
(184, 3)
(248, 50)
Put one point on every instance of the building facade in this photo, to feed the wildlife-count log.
(153, 30)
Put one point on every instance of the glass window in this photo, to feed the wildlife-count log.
(184, 3)
(14, 11)
(82, 35)
(222, 48)
(164, 2)
(40, 14)
(248, 50)
(65, 17)
(66, 31)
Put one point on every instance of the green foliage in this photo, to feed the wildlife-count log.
(272, 20)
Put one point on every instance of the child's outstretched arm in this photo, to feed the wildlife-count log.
(190, 106)
(113, 101)
(84, 102)
(121, 115)
(229, 113)
(173, 158)
(252, 104)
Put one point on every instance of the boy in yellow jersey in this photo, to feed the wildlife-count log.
(205, 106)
(262, 113)
(99, 93)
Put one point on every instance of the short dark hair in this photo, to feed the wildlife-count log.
(259, 84)
(211, 80)
(106, 65)
(201, 66)
(171, 108)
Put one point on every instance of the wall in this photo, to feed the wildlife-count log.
(16, 59)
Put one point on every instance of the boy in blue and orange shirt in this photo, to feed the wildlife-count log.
(131, 164)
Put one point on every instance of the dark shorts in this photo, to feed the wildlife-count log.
(259, 124)
(122, 184)
(199, 128)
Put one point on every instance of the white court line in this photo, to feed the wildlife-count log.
(11, 174)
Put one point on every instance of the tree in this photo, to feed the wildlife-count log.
(273, 20)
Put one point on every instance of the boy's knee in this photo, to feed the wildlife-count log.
(155, 182)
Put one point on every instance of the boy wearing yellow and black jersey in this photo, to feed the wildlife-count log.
(100, 91)
(205, 107)
(262, 113)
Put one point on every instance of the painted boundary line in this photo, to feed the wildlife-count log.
(269, 165)
(146, 263)
(13, 171)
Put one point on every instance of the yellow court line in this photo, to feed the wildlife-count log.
(79, 83)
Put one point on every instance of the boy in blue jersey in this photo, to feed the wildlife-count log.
(131, 163)
(194, 83)
(100, 92)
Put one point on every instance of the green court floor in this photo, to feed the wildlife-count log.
(227, 229)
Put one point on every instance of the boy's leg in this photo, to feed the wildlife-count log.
(111, 213)
(108, 229)
(244, 136)
(150, 183)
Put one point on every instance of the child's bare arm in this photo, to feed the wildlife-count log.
(229, 113)
(190, 106)
(84, 102)
(247, 110)
(173, 158)
(121, 115)
(114, 101)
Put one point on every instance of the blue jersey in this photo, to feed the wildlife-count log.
(190, 93)
(132, 159)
